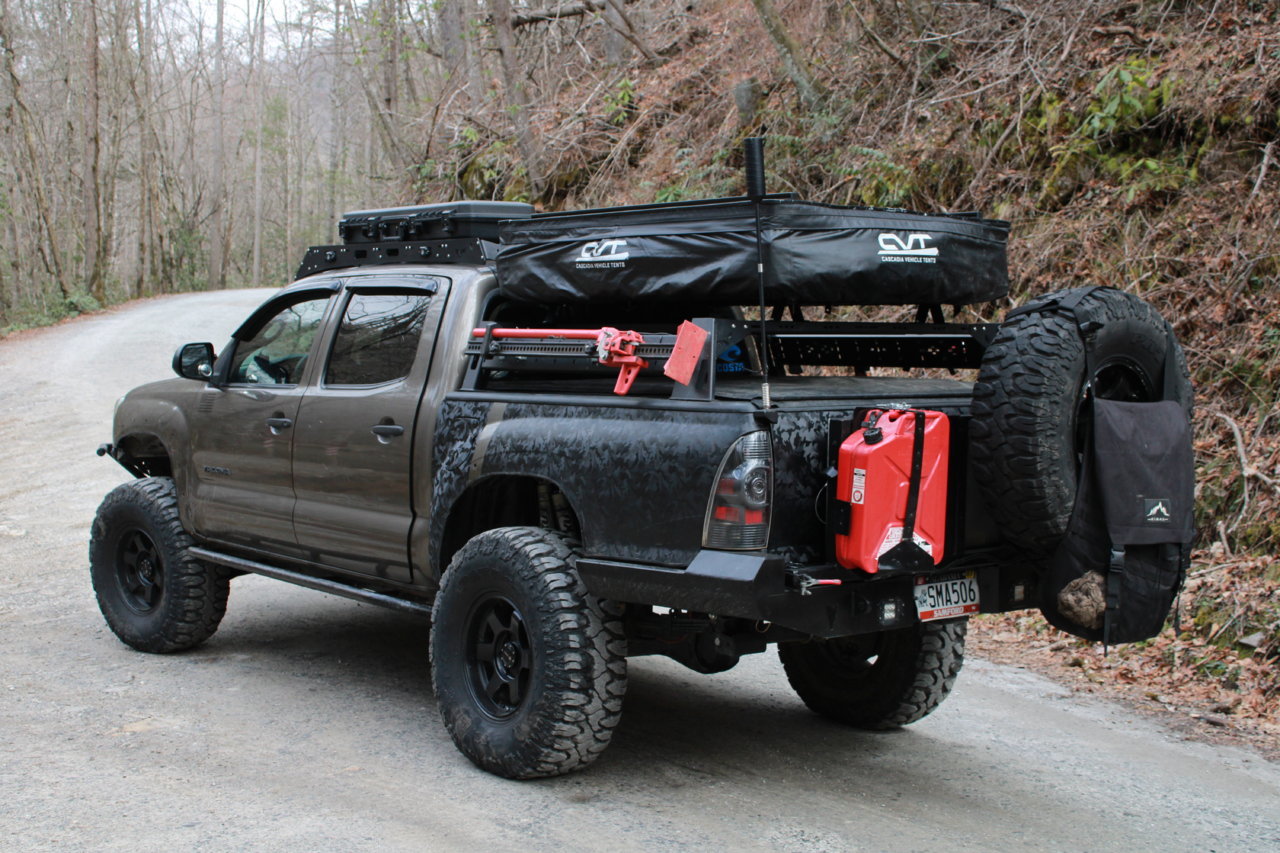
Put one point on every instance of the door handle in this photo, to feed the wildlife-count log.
(387, 430)
(278, 424)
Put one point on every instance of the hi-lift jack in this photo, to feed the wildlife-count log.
(611, 347)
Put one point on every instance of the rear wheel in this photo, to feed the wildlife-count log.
(153, 594)
(877, 681)
(529, 669)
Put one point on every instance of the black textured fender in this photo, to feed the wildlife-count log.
(637, 476)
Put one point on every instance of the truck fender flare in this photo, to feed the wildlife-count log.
(503, 499)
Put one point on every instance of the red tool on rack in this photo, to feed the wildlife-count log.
(618, 349)
(613, 347)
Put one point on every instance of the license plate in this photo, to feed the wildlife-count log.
(946, 596)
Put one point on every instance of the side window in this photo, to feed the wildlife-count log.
(378, 338)
(276, 354)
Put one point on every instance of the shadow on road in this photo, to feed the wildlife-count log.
(742, 722)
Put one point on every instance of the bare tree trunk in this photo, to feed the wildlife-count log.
(381, 102)
(390, 99)
(217, 240)
(48, 248)
(615, 46)
(255, 274)
(812, 92)
(338, 131)
(453, 45)
(91, 179)
(285, 177)
(475, 56)
(146, 153)
(517, 93)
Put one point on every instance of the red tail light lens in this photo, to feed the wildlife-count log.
(738, 512)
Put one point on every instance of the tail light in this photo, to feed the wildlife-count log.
(738, 512)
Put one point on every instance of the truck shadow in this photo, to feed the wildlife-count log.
(677, 726)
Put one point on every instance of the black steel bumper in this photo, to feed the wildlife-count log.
(763, 587)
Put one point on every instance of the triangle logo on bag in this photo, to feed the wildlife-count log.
(1156, 511)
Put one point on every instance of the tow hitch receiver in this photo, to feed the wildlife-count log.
(805, 583)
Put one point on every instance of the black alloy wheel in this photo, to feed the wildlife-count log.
(528, 668)
(139, 571)
(499, 656)
(154, 595)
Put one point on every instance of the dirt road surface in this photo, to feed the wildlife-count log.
(307, 723)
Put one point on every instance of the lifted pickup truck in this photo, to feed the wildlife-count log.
(564, 479)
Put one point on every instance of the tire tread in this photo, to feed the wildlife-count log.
(590, 661)
(194, 597)
(1022, 410)
(906, 685)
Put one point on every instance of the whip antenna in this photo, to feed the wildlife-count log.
(754, 155)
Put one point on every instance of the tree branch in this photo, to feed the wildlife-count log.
(1002, 7)
(1262, 172)
(565, 10)
(628, 32)
(794, 61)
(875, 38)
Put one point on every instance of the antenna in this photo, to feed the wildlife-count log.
(753, 149)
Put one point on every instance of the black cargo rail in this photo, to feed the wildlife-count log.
(865, 345)
(860, 346)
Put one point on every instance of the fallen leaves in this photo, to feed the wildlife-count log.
(1208, 673)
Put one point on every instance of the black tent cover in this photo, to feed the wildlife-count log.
(814, 254)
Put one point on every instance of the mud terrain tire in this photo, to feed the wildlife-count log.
(1025, 432)
(529, 669)
(878, 681)
(153, 594)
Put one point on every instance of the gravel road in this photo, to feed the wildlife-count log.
(307, 722)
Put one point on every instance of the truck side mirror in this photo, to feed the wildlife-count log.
(194, 361)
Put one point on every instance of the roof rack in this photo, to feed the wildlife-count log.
(459, 251)
(456, 232)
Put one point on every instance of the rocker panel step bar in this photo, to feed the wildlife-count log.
(318, 584)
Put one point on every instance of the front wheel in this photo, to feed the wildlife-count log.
(154, 595)
(877, 681)
(529, 669)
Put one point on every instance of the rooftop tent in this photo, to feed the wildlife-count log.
(705, 251)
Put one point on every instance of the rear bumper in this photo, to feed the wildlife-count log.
(762, 587)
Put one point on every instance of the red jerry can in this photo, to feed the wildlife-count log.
(875, 475)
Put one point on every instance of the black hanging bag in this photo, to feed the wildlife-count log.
(1118, 569)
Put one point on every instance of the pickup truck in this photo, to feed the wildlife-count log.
(561, 484)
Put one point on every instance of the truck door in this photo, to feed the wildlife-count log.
(353, 443)
(242, 428)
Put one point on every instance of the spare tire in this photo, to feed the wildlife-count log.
(1032, 389)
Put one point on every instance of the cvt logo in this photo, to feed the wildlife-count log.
(914, 249)
(603, 252)
(1156, 510)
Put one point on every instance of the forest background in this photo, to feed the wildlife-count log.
(159, 146)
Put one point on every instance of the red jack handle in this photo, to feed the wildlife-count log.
(614, 348)
(618, 349)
